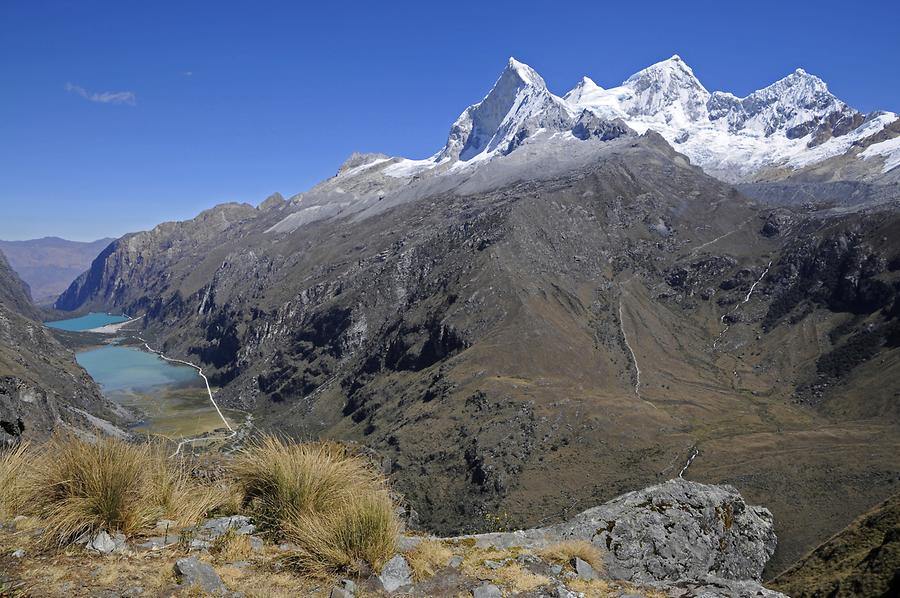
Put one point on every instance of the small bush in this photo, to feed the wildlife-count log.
(14, 467)
(565, 552)
(359, 535)
(333, 505)
(81, 487)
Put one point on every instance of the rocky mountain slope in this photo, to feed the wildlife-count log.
(41, 386)
(862, 560)
(556, 308)
(49, 265)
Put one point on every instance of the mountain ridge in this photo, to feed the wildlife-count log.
(733, 138)
(50, 264)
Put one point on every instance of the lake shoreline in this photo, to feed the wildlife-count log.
(168, 398)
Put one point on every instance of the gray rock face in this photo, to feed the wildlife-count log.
(584, 569)
(677, 530)
(102, 543)
(676, 534)
(395, 574)
(716, 587)
(487, 590)
(213, 528)
(192, 572)
(590, 125)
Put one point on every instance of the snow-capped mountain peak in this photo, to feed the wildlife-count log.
(518, 105)
(795, 105)
(668, 89)
(585, 87)
(525, 74)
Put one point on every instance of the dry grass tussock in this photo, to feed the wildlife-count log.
(565, 552)
(510, 574)
(14, 466)
(231, 546)
(332, 504)
(427, 558)
(75, 486)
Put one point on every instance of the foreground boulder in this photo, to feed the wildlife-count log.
(193, 573)
(676, 536)
(677, 530)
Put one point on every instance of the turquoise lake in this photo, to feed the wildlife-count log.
(171, 397)
(123, 368)
(91, 320)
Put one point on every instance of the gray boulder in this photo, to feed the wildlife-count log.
(214, 528)
(102, 542)
(395, 574)
(716, 587)
(677, 530)
(584, 569)
(487, 590)
(193, 573)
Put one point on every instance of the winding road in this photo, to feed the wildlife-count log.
(232, 431)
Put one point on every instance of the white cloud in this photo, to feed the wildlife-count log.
(188, 73)
(106, 97)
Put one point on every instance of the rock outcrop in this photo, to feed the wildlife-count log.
(677, 530)
(680, 535)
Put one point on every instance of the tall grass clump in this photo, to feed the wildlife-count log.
(14, 468)
(80, 487)
(333, 505)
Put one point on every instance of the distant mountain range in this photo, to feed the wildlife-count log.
(793, 130)
(50, 264)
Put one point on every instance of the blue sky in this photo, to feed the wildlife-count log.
(115, 116)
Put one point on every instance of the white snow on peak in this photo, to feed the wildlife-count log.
(668, 89)
(525, 73)
(518, 105)
(889, 150)
(732, 137)
(792, 123)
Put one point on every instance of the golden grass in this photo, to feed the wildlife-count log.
(268, 584)
(595, 588)
(361, 533)
(79, 487)
(14, 467)
(565, 552)
(427, 558)
(515, 577)
(231, 546)
(333, 505)
(510, 574)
